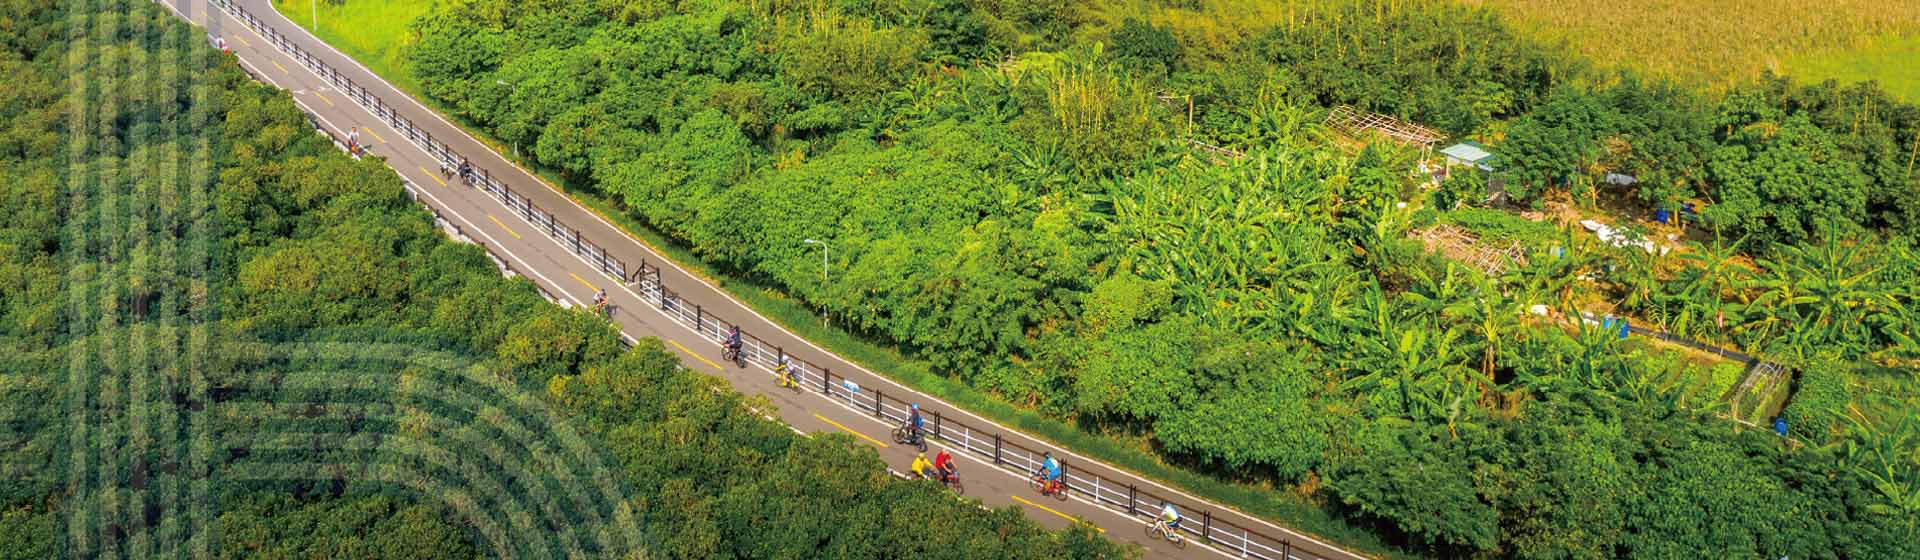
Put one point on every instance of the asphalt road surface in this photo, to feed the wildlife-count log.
(520, 244)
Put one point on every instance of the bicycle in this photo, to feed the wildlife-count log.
(952, 481)
(1055, 488)
(731, 354)
(905, 435)
(1158, 529)
(787, 378)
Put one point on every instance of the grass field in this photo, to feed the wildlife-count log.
(1892, 60)
(373, 31)
(1714, 42)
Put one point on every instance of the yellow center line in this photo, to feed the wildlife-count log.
(436, 178)
(849, 430)
(676, 344)
(322, 97)
(376, 136)
(1052, 511)
(276, 64)
(516, 235)
(583, 282)
(243, 41)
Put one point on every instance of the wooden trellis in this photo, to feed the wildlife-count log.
(1463, 246)
(1352, 122)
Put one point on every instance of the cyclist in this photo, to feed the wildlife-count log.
(1171, 516)
(733, 341)
(1051, 468)
(943, 462)
(915, 421)
(600, 301)
(784, 371)
(921, 467)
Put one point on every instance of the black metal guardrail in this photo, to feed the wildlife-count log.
(992, 446)
(543, 220)
(987, 445)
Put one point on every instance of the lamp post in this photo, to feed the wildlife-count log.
(314, 8)
(823, 275)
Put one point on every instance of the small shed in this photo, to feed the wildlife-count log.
(1470, 153)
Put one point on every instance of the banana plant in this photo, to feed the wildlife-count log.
(1554, 279)
(1886, 457)
(1420, 360)
(1709, 273)
(1492, 316)
(1638, 277)
(1435, 297)
(1819, 295)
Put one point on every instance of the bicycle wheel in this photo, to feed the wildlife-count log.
(1152, 534)
(899, 435)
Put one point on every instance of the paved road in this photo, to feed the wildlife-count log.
(569, 278)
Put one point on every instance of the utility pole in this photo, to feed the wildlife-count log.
(314, 8)
(823, 275)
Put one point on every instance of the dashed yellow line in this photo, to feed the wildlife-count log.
(243, 41)
(443, 182)
(849, 430)
(322, 97)
(276, 64)
(582, 281)
(697, 356)
(376, 136)
(1052, 511)
(516, 235)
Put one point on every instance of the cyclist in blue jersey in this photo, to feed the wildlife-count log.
(915, 421)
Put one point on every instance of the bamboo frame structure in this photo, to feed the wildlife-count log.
(1459, 244)
(1351, 121)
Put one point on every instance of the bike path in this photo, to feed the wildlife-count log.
(561, 273)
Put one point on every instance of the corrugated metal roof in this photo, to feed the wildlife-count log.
(1470, 152)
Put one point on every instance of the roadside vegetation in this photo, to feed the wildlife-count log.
(222, 337)
(1021, 201)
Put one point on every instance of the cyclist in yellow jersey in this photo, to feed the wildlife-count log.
(784, 371)
(922, 467)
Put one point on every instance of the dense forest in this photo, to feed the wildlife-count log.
(1129, 217)
(222, 337)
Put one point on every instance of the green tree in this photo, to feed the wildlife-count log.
(1780, 179)
(1141, 45)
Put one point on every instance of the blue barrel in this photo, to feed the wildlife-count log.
(1660, 215)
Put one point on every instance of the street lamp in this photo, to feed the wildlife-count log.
(823, 275)
(314, 8)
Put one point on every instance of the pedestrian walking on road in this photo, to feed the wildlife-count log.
(353, 141)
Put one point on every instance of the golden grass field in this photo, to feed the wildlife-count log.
(1717, 42)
